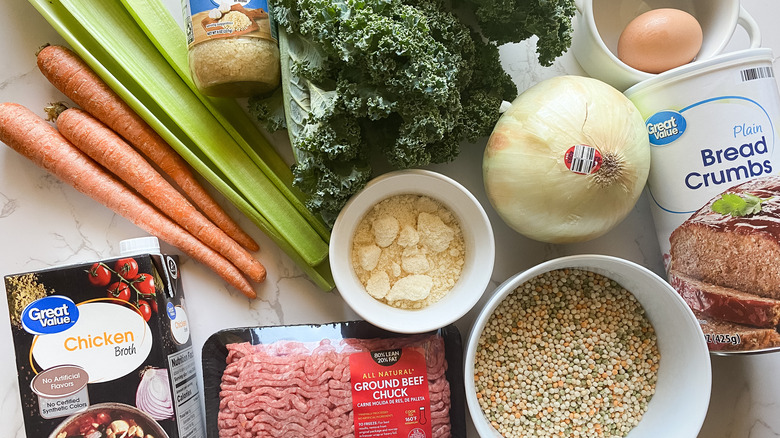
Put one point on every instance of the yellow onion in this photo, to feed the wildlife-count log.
(536, 167)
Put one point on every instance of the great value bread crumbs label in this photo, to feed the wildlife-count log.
(715, 192)
(390, 394)
(103, 347)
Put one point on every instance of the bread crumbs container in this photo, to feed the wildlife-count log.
(233, 47)
(715, 192)
(104, 348)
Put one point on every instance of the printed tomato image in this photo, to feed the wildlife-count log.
(119, 290)
(127, 268)
(145, 285)
(99, 275)
(145, 309)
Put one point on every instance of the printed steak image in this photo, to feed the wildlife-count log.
(726, 303)
(728, 336)
(725, 263)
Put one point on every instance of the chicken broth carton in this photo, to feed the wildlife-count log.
(103, 349)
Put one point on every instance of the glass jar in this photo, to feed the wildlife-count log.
(233, 47)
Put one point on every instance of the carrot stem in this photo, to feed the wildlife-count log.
(32, 137)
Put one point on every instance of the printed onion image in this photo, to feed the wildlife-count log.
(154, 393)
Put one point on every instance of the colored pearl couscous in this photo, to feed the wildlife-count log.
(569, 353)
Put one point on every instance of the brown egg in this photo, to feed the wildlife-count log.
(659, 40)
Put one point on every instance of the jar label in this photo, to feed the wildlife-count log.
(209, 19)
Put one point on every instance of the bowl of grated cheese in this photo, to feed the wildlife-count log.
(412, 252)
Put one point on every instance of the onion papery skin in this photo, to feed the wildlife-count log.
(524, 168)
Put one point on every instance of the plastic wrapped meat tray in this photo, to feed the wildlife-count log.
(348, 379)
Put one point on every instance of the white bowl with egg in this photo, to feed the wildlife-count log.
(598, 25)
(682, 389)
(477, 257)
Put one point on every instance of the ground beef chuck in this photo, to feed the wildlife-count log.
(296, 389)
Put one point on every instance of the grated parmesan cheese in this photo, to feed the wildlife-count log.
(408, 251)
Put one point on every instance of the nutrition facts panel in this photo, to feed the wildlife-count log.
(185, 394)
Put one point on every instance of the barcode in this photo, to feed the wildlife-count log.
(582, 159)
(750, 74)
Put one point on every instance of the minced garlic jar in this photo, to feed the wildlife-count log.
(233, 48)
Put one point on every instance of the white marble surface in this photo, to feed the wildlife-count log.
(44, 223)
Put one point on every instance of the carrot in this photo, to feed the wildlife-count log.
(73, 77)
(34, 138)
(106, 147)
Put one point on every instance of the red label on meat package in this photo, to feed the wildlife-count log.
(390, 394)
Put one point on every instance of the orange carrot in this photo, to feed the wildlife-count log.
(106, 147)
(31, 136)
(73, 77)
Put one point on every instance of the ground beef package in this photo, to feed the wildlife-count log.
(347, 379)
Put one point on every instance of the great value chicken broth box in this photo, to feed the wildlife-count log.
(103, 349)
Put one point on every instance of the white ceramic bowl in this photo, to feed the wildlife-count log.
(478, 240)
(598, 24)
(684, 381)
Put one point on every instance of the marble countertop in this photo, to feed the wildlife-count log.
(44, 222)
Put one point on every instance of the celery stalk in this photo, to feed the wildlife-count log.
(109, 69)
(118, 34)
(163, 30)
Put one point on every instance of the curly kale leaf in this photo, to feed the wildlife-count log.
(336, 138)
(401, 79)
(329, 183)
(505, 21)
(360, 99)
(488, 87)
(269, 110)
